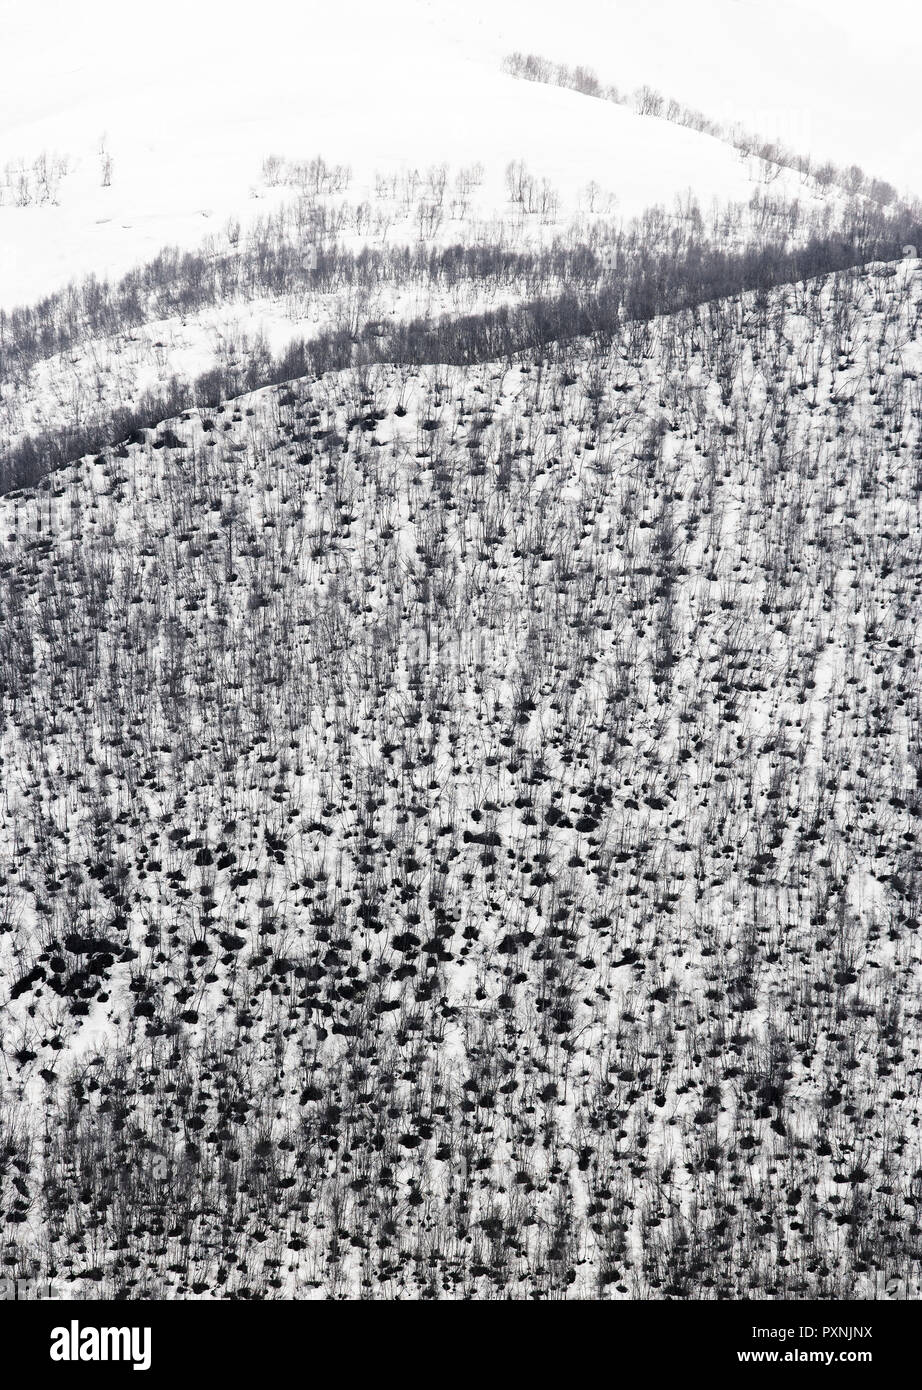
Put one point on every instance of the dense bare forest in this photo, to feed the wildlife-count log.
(460, 802)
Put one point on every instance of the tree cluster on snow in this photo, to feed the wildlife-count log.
(459, 823)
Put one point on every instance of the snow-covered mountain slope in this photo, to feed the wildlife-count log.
(91, 184)
(459, 824)
(824, 76)
(95, 362)
(459, 828)
(187, 119)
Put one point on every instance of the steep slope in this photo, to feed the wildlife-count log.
(459, 828)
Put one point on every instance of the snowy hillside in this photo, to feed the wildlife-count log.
(460, 826)
(460, 600)
(185, 156)
(824, 76)
(96, 197)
